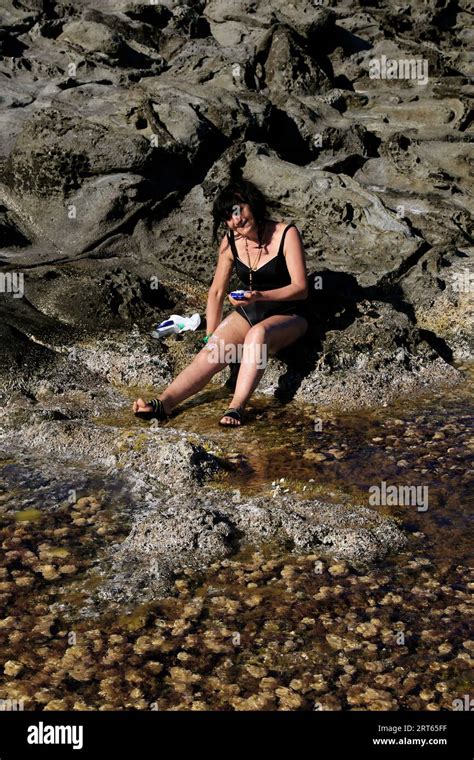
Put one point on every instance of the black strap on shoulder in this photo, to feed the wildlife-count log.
(292, 224)
(233, 247)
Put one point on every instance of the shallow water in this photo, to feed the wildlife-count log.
(263, 630)
(426, 444)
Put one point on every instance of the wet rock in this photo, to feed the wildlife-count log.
(193, 531)
(338, 569)
(49, 572)
(12, 668)
(167, 543)
(152, 455)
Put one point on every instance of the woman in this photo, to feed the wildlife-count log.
(270, 262)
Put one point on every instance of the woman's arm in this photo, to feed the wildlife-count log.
(219, 286)
(296, 263)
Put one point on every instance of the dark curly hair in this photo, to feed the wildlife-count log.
(238, 191)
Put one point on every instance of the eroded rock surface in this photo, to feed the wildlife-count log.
(193, 534)
(120, 121)
(176, 522)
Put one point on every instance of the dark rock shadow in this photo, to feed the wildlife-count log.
(334, 306)
(394, 296)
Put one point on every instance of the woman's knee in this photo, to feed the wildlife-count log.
(257, 334)
(255, 347)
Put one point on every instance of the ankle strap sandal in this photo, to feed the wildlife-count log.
(235, 414)
(157, 413)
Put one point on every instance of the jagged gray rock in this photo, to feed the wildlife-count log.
(180, 533)
(120, 120)
(176, 525)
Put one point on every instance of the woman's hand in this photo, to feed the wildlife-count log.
(250, 297)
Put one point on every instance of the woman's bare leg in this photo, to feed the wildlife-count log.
(265, 338)
(231, 332)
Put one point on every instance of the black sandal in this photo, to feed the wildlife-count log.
(235, 414)
(157, 413)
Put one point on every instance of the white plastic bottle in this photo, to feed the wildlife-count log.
(176, 324)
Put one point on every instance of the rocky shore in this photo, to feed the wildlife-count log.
(177, 522)
(119, 121)
(117, 593)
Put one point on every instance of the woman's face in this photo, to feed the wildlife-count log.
(242, 220)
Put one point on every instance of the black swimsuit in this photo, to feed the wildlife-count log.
(274, 274)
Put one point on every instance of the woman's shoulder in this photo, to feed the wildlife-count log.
(285, 228)
(225, 247)
(281, 226)
(289, 234)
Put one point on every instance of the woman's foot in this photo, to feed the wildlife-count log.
(232, 416)
(140, 406)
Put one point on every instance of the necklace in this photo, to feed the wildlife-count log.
(254, 267)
